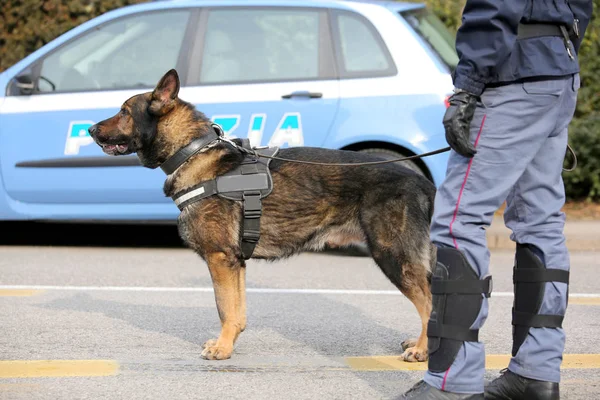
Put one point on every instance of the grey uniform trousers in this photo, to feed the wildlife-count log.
(520, 133)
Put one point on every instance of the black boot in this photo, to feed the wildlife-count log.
(510, 386)
(423, 391)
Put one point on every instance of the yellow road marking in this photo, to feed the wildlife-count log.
(19, 292)
(588, 301)
(50, 368)
(493, 361)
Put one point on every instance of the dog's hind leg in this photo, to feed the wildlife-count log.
(418, 292)
(398, 237)
(226, 273)
(411, 279)
(409, 343)
(415, 286)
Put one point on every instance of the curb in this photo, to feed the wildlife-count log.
(502, 242)
(580, 235)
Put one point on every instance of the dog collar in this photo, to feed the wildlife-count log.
(184, 154)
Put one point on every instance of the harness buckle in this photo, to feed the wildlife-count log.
(252, 205)
(251, 236)
(218, 130)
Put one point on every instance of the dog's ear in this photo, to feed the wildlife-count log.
(165, 93)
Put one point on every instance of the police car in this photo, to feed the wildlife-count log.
(359, 75)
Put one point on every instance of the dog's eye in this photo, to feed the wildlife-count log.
(123, 112)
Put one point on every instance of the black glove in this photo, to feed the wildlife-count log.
(457, 122)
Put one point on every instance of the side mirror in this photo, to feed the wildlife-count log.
(25, 84)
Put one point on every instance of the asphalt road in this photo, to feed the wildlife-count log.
(128, 309)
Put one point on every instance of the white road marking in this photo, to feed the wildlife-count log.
(248, 290)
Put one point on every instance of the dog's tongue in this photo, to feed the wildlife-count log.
(122, 148)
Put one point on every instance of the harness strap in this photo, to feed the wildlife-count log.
(536, 320)
(184, 154)
(195, 193)
(540, 275)
(251, 210)
(457, 287)
(484, 286)
(246, 184)
(455, 332)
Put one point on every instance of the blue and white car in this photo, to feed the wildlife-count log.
(360, 75)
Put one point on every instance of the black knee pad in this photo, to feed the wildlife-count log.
(529, 278)
(457, 298)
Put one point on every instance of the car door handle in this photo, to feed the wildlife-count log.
(303, 93)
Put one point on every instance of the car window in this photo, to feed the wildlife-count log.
(434, 32)
(363, 53)
(244, 45)
(132, 52)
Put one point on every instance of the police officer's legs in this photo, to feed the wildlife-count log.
(508, 133)
(534, 215)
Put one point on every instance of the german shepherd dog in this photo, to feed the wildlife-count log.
(388, 207)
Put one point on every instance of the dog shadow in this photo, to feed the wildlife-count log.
(329, 327)
(312, 326)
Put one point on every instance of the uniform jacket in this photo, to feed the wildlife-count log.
(490, 52)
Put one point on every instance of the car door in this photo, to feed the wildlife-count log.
(266, 73)
(391, 92)
(368, 82)
(46, 153)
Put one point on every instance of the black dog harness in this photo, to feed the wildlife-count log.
(248, 183)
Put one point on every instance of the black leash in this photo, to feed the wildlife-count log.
(221, 136)
(574, 160)
(184, 154)
(431, 153)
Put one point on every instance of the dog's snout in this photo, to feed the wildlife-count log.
(93, 129)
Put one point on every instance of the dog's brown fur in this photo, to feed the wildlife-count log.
(386, 206)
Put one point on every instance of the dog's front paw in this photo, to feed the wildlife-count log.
(212, 351)
(209, 343)
(408, 343)
(415, 354)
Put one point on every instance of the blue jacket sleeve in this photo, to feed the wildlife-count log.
(484, 40)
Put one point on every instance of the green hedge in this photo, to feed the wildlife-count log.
(26, 25)
(584, 181)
